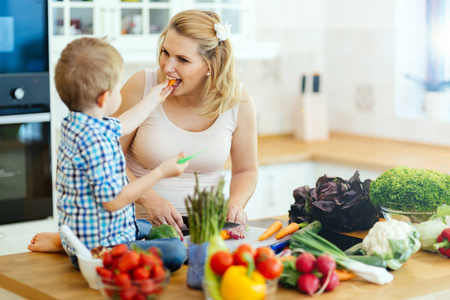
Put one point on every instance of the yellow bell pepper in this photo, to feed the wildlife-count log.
(237, 285)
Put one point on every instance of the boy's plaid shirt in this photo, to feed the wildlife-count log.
(91, 170)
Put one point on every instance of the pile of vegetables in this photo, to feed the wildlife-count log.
(423, 190)
(340, 205)
(243, 273)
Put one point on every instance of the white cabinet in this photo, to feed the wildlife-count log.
(274, 192)
(14, 238)
(134, 26)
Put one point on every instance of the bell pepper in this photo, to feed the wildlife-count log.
(243, 283)
(443, 243)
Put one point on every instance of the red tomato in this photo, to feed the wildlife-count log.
(263, 253)
(238, 255)
(271, 268)
(221, 261)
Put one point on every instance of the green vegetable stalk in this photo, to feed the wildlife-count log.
(422, 189)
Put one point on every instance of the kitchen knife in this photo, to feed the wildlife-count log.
(185, 228)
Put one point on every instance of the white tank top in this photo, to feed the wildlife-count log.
(158, 139)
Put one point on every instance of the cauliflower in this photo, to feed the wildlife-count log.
(394, 241)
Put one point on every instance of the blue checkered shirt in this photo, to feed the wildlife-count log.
(91, 170)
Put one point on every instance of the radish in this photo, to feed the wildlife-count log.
(308, 283)
(305, 262)
(332, 283)
(324, 264)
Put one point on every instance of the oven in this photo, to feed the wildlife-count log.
(25, 152)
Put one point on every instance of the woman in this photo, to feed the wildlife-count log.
(208, 108)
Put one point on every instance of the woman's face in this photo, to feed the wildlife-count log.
(181, 60)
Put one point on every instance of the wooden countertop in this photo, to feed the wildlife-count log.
(51, 276)
(351, 150)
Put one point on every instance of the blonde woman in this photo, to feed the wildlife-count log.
(207, 108)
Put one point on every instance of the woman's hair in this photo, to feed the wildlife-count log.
(87, 68)
(222, 89)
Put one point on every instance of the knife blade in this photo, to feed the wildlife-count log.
(227, 225)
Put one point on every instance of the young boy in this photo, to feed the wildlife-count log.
(94, 197)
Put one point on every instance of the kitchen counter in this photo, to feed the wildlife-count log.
(51, 276)
(356, 151)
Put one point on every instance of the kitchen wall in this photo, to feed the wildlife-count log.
(362, 50)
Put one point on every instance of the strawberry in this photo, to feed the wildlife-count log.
(158, 273)
(147, 261)
(147, 287)
(141, 273)
(140, 296)
(123, 280)
(119, 250)
(128, 261)
(128, 294)
(107, 259)
(104, 273)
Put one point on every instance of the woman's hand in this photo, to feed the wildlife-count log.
(161, 211)
(237, 215)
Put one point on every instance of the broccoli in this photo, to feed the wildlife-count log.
(423, 189)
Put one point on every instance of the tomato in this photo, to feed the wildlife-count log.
(263, 253)
(238, 255)
(271, 268)
(221, 261)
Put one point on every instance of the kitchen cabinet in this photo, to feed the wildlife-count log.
(134, 26)
(14, 238)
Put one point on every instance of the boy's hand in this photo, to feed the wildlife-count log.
(159, 92)
(171, 167)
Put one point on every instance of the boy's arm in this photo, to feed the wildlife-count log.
(132, 118)
(135, 189)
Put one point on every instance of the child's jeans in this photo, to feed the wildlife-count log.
(172, 250)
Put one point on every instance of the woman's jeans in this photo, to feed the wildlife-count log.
(173, 252)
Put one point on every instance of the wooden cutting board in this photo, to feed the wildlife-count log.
(251, 236)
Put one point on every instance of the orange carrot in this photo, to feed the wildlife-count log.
(291, 228)
(344, 275)
(172, 81)
(274, 228)
(224, 234)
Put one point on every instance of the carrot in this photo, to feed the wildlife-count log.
(225, 235)
(274, 228)
(291, 228)
(344, 275)
(172, 81)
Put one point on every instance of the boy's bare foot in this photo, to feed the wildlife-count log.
(46, 242)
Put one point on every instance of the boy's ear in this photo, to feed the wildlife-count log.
(101, 100)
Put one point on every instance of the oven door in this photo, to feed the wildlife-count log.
(25, 168)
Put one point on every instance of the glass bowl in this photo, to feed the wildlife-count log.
(140, 289)
(271, 290)
(406, 213)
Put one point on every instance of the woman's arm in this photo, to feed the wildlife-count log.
(244, 163)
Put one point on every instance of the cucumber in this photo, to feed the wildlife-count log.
(163, 231)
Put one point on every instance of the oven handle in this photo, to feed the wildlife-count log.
(25, 118)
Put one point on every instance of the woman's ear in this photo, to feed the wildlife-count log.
(101, 100)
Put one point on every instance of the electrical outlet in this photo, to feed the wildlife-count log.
(364, 97)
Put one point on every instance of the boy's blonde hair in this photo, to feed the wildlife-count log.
(222, 90)
(87, 68)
